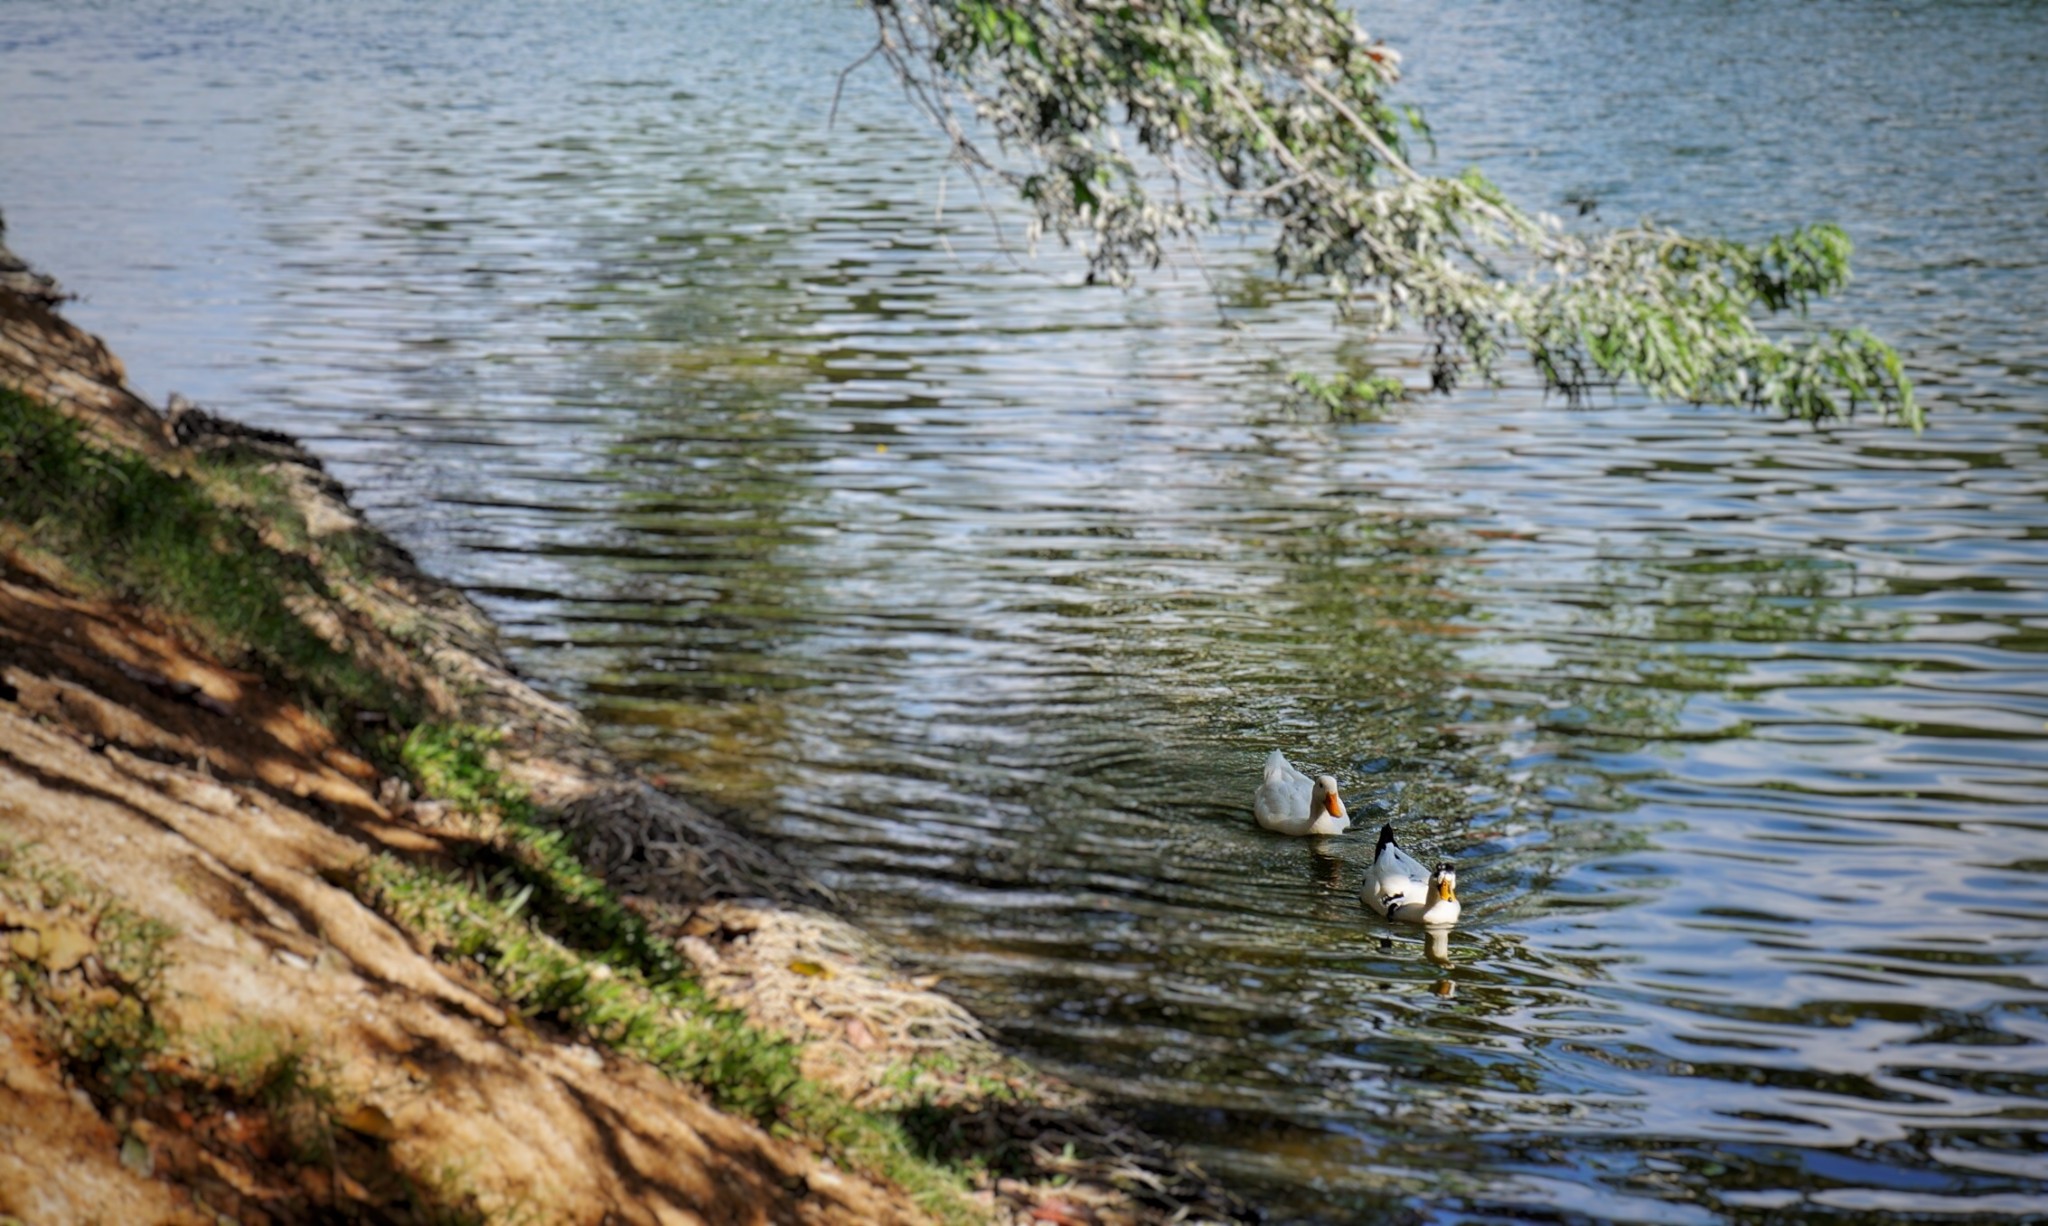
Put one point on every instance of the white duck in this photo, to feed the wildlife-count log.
(1399, 888)
(1289, 802)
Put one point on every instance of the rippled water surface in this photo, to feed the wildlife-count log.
(986, 593)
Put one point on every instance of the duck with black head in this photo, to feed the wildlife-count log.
(1399, 888)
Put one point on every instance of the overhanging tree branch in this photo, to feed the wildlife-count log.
(1276, 110)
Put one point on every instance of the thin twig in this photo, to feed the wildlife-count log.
(844, 73)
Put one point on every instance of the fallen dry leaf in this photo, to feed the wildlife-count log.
(370, 1120)
(65, 945)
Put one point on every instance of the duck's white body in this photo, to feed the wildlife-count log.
(1290, 802)
(1398, 887)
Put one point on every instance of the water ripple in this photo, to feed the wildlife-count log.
(986, 593)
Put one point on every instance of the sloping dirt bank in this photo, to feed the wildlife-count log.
(311, 909)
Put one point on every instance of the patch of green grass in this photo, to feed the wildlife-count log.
(140, 534)
(535, 865)
(669, 1022)
(560, 947)
(928, 1075)
(96, 1003)
(236, 482)
(253, 1064)
(250, 486)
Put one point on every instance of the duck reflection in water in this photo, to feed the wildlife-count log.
(1436, 947)
(1330, 900)
(1325, 869)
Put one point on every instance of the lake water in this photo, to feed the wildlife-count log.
(986, 593)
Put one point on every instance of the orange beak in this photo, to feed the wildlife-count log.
(1335, 806)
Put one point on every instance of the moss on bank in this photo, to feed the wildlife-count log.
(131, 532)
